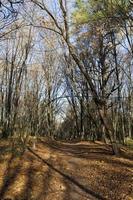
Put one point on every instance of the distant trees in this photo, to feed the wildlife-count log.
(97, 53)
(28, 91)
(15, 51)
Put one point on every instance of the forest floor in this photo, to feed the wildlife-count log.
(65, 171)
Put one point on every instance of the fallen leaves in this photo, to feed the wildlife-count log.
(109, 176)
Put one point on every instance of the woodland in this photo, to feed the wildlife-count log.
(66, 99)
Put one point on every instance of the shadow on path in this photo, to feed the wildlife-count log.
(10, 175)
(69, 178)
(79, 149)
(95, 152)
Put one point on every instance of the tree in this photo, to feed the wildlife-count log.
(99, 12)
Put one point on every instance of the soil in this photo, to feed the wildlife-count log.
(65, 171)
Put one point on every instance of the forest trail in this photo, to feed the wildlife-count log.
(63, 171)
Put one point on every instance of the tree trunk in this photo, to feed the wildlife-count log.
(109, 131)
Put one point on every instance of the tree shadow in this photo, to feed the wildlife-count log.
(35, 187)
(10, 175)
(69, 178)
(79, 149)
(46, 185)
(72, 192)
(91, 152)
(73, 184)
(27, 191)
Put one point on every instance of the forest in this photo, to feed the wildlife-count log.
(66, 99)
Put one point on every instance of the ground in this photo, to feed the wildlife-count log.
(65, 171)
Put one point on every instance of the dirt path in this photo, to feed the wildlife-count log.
(57, 171)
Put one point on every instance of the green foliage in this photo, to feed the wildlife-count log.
(81, 14)
(92, 10)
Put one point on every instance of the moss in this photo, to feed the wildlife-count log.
(129, 142)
